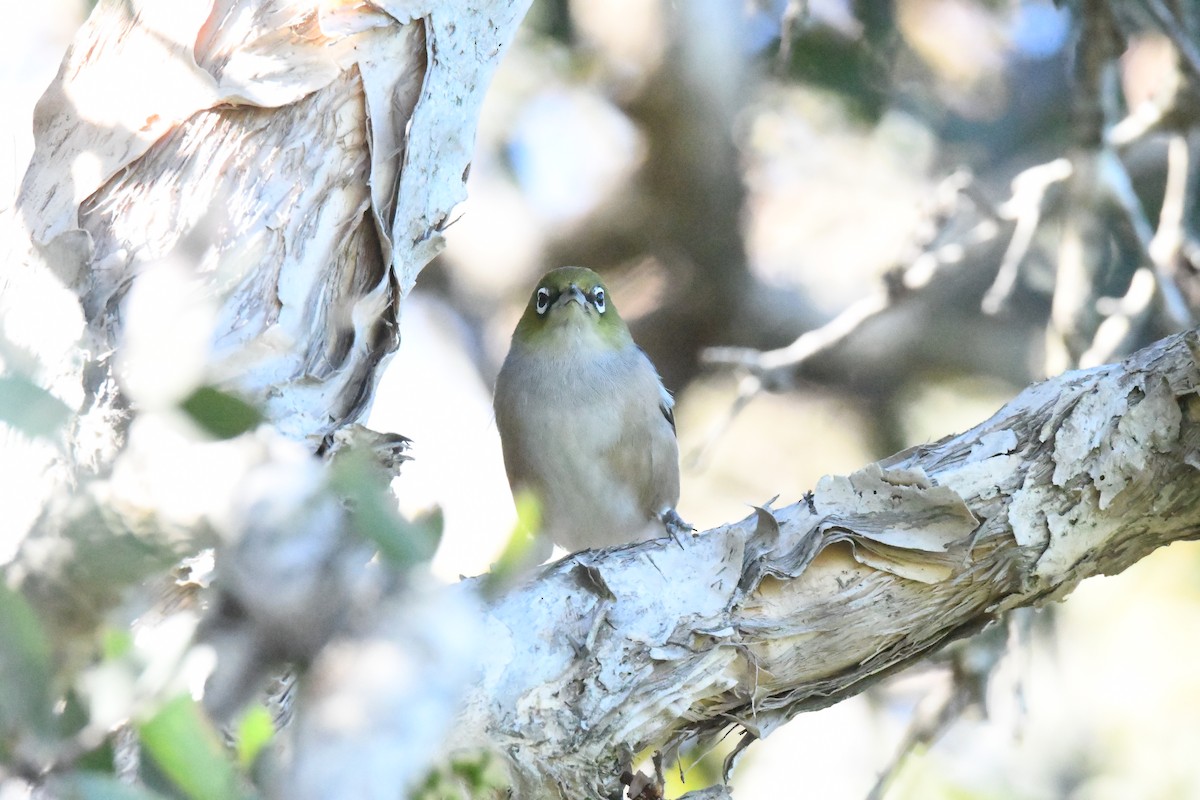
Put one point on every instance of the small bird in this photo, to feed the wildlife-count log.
(585, 422)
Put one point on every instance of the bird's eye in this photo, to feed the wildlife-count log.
(543, 299)
(598, 300)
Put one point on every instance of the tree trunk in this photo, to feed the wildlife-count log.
(297, 160)
(794, 609)
(235, 194)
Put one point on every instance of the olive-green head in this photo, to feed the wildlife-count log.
(571, 304)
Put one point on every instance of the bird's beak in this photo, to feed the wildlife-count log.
(572, 294)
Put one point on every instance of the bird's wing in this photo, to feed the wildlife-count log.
(666, 403)
(656, 446)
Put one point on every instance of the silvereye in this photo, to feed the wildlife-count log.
(584, 420)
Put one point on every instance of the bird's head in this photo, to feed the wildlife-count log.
(571, 305)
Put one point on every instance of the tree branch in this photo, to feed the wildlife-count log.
(607, 653)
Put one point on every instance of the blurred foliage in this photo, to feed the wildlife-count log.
(100, 556)
(220, 414)
(76, 668)
(30, 409)
(84, 785)
(519, 551)
(474, 777)
(189, 752)
(25, 668)
(552, 19)
(254, 732)
(356, 478)
(855, 69)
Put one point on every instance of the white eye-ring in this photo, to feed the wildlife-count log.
(543, 300)
(598, 300)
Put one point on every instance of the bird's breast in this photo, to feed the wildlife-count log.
(584, 431)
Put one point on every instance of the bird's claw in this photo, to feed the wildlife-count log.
(675, 526)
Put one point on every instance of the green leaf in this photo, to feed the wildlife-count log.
(477, 775)
(187, 749)
(101, 760)
(115, 643)
(70, 719)
(96, 786)
(254, 733)
(107, 556)
(517, 555)
(25, 665)
(221, 414)
(29, 408)
(402, 542)
(480, 773)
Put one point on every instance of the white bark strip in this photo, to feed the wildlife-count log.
(607, 653)
(302, 157)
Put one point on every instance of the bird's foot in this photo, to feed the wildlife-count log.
(675, 525)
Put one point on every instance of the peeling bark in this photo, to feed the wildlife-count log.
(607, 653)
(279, 172)
(302, 158)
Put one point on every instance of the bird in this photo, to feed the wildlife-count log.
(585, 422)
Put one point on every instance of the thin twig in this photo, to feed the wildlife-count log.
(793, 13)
(1166, 248)
(1123, 320)
(1168, 239)
(776, 369)
(931, 719)
(972, 665)
(1026, 207)
(749, 387)
(1134, 225)
(810, 343)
